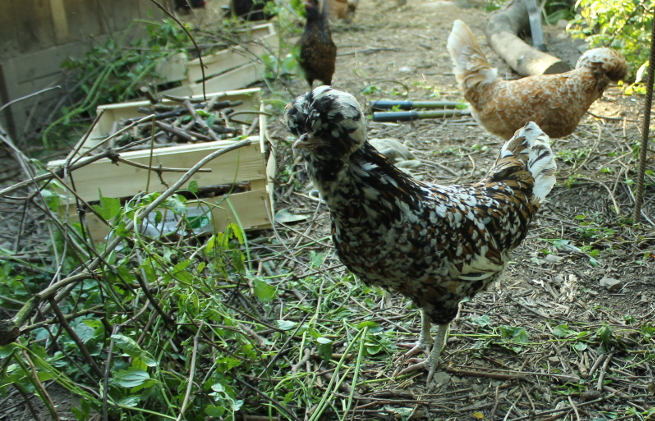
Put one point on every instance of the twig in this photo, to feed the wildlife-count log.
(368, 51)
(71, 332)
(577, 414)
(159, 169)
(42, 91)
(472, 373)
(603, 370)
(43, 393)
(276, 404)
(192, 372)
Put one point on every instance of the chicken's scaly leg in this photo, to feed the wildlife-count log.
(424, 338)
(432, 362)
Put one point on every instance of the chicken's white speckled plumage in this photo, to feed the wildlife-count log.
(434, 244)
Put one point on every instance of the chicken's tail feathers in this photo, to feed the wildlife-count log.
(532, 147)
(605, 60)
(471, 66)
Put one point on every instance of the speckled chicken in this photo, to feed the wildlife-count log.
(433, 244)
(555, 102)
(318, 54)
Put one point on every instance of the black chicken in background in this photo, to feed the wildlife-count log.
(249, 10)
(189, 4)
(318, 53)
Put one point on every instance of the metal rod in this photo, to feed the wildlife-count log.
(643, 150)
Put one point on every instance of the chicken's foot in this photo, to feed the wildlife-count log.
(432, 362)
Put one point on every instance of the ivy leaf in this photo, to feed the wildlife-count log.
(108, 208)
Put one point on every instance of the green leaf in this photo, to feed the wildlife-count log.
(286, 324)
(214, 411)
(324, 348)
(177, 204)
(108, 208)
(52, 199)
(130, 401)
(514, 334)
(202, 113)
(482, 321)
(263, 291)
(369, 324)
(237, 232)
(580, 346)
(562, 331)
(132, 377)
(604, 333)
(193, 186)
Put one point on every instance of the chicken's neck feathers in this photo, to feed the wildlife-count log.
(365, 183)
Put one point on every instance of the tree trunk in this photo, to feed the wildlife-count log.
(502, 29)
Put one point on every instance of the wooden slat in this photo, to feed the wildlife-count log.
(232, 79)
(225, 60)
(124, 180)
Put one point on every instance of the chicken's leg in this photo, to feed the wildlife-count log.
(432, 362)
(424, 338)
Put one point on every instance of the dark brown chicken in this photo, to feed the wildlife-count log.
(555, 102)
(318, 53)
(433, 244)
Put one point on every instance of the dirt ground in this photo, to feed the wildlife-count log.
(578, 240)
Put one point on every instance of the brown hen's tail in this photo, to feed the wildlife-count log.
(531, 146)
(472, 69)
(605, 60)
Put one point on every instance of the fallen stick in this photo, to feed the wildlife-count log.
(416, 115)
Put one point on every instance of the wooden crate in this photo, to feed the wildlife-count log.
(235, 67)
(246, 164)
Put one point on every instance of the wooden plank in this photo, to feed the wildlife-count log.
(84, 19)
(225, 60)
(233, 79)
(32, 25)
(59, 21)
(124, 180)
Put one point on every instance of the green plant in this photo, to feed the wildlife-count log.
(624, 25)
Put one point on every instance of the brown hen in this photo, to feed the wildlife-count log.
(433, 244)
(555, 102)
(342, 9)
(318, 53)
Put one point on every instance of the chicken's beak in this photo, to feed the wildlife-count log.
(303, 142)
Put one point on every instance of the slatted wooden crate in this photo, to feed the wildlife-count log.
(236, 67)
(246, 166)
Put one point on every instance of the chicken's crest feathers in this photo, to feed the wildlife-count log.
(472, 70)
(605, 60)
(327, 113)
(531, 146)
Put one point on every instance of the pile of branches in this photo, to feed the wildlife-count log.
(180, 120)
